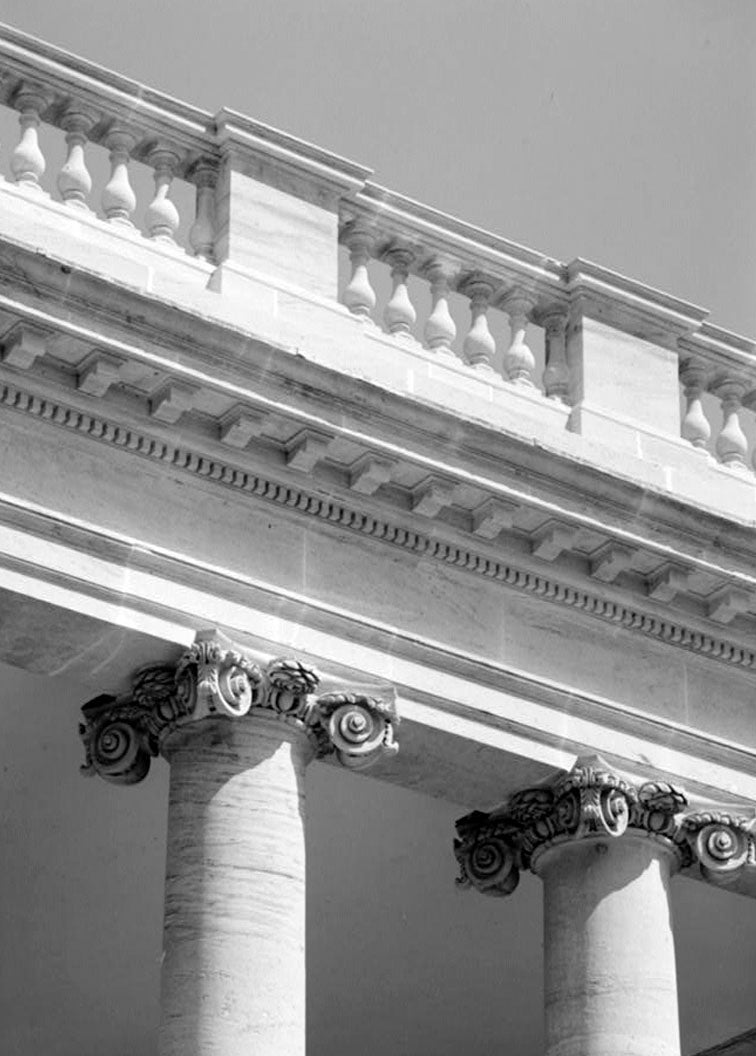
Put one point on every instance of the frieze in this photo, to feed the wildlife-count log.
(121, 735)
(429, 546)
(592, 802)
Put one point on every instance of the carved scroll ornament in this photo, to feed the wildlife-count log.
(592, 802)
(121, 735)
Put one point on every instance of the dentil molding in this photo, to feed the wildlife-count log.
(299, 501)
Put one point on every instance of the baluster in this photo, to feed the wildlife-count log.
(161, 217)
(731, 445)
(556, 376)
(479, 346)
(399, 313)
(519, 361)
(118, 198)
(695, 425)
(440, 330)
(202, 232)
(359, 295)
(74, 181)
(27, 161)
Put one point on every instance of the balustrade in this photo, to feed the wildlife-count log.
(465, 299)
(489, 291)
(450, 283)
(92, 121)
(719, 400)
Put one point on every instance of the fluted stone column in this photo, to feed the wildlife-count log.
(605, 849)
(237, 739)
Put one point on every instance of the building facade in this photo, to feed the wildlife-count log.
(338, 508)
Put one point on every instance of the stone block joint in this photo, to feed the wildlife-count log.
(592, 802)
(121, 735)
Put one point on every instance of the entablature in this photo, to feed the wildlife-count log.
(203, 399)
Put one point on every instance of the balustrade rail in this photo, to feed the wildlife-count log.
(447, 286)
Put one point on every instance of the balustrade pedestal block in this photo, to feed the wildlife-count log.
(277, 205)
(275, 232)
(623, 389)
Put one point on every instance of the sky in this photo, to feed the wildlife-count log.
(621, 131)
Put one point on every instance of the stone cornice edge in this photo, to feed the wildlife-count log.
(298, 500)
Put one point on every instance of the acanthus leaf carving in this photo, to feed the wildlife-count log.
(290, 684)
(121, 735)
(211, 680)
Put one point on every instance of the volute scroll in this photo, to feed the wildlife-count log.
(592, 802)
(121, 735)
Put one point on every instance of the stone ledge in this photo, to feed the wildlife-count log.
(646, 618)
(72, 566)
(740, 1045)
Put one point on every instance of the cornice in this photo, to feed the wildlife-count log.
(508, 473)
(329, 510)
(222, 356)
(231, 355)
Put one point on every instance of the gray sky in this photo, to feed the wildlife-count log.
(619, 130)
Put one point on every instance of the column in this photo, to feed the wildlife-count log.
(610, 979)
(238, 739)
(605, 849)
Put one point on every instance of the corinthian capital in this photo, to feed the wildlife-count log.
(592, 802)
(121, 735)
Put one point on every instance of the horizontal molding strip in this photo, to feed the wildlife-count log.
(550, 509)
(410, 655)
(296, 499)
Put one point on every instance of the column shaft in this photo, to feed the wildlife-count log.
(233, 981)
(610, 976)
